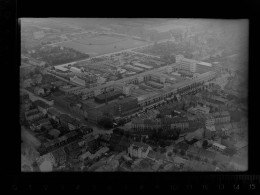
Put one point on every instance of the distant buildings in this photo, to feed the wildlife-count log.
(218, 147)
(78, 81)
(37, 62)
(102, 98)
(192, 66)
(126, 106)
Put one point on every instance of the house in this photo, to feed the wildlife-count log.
(68, 122)
(114, 141)
(139, 150)
(85, 155)
(54, 133)
(93, 146)
(27, 83)
(53, 113)
(182, 146)
(32, 115)
(179, 162)
(210, 131)
(193, 151)
(218, 147)
(42, 106)
(42, 122)
(39, 91)
(104, 139)
(59, 156)
(206, 154)
(72, 150)
(124, 143)
(156, 156)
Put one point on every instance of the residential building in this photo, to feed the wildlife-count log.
(199, 109)
(179, 162)
(39, 91)
(59, 156)
(78, 81)
(218, 147)
(42, 106)
(68, 122)
(37, 62)
(32, 115)
(126, 106)
(139, 150)
(53, 113)
(28, 83)
(202, 67)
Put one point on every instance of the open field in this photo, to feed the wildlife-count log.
(98, 45)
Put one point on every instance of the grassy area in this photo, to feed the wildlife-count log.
(102, 44)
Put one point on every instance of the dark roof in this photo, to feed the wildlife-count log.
(69, 119)
(41, 104)
(125, 141)
(53, 111)
(182, 146)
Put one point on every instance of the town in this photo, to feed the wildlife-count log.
(166, 97)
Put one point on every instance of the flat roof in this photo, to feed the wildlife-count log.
(61, 68)
(146, 96)
(205, 64)
(219, 145)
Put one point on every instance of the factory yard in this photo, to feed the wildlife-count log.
(101, 44)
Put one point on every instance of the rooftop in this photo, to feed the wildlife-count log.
(41, 103)
(205, 64)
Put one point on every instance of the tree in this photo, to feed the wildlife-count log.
(214, 162)
(205, 144)
(159, 115)
(190, 156)
(106, 122)
(182, 152)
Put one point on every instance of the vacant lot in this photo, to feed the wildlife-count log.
(97, 45)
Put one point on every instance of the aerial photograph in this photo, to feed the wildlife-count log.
(134, 95)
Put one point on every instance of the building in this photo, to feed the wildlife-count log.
(217, 118)
(179, 162)
(126, 106)
(28, 83)
(37, 62)
(218, 147)
(68, 122)
(42, 106)
(75, 70)
(53, 113)
(202, 67)
(59, 156)
(199, 109)
(41, 123)
(32, 115)
(39, 91)
(139, 150)
(108, 96)
(61, 69)
(78, 81)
